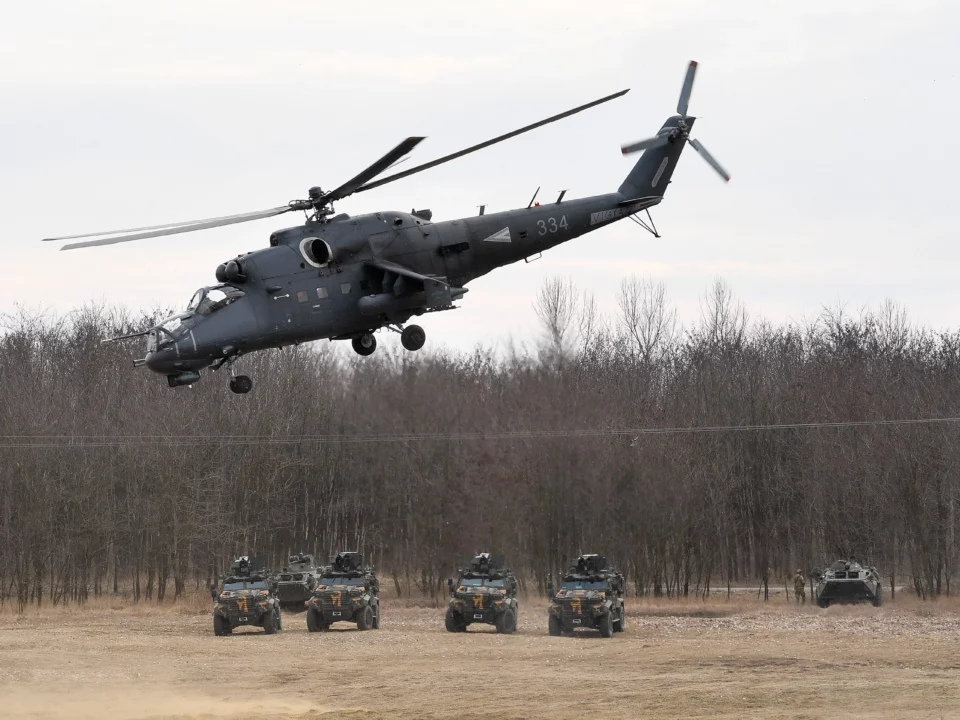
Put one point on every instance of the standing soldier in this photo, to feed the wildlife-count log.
(799, 588)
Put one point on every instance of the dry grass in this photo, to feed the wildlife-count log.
(689, 658)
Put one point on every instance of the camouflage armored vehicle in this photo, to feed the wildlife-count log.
(847, 581)
(346, 592)
(296, 582)
(245, 598)
(590, 596)
(486, 592)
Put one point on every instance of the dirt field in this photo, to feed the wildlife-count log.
(677, 659)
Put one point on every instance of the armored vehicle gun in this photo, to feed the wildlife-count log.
(346, 592)
(485, 592)
(296, 582)
(590, 596)
(847, 581)
(245, 598)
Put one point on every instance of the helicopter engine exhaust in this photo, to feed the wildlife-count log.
(188, 377)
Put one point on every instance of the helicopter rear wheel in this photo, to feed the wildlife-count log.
(413, 337)
(241, 384)
(364, 344)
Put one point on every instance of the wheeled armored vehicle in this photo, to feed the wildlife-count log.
(346, 592)
(485, 592)
(245, 598)
(296, 582)
(590, 596)
(847, 582)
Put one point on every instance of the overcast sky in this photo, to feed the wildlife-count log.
(837, 120)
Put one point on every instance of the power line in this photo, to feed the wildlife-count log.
(106, 441)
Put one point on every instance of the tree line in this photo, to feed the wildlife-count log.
(695, 457)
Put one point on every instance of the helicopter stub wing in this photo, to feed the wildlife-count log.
(406, 272)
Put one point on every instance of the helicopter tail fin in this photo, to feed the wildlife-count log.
(651, 175)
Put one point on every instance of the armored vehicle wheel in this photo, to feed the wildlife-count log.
(376, 618)
(221, 626)
(453, 623)
(364, 344)
(270, 623)
(606, 625)
(878, 598)
(823, 603)
(620, 624)
(413, 337)
(279, 620)
(507, 622)
(241, 384)
(554, 626)
(313, 621)
(365, 621)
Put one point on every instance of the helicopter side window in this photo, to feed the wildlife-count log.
(322, 293)
(344, 288)
(302, 296)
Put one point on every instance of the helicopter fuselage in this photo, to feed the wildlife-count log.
(288, 297)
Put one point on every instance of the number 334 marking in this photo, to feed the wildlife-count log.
(551, 225)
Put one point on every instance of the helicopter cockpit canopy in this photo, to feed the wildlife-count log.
(208, 300)
(205, 301)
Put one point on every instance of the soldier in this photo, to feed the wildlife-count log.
(799, 588)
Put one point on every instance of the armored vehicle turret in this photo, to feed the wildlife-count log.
(485, 592)
(346, 592)
(847, 581)
(590, 596)
(296, 582)
(245, 598)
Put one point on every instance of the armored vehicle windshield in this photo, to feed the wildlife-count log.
(232, 584)
(340, 580)
(482, 582)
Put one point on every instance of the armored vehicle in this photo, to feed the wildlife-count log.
(296, 582)
(485, 592)
(245, 598)
(847, 581)
(346, 592)
(590, 596)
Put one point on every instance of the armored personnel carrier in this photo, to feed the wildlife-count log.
(590, 596)
(245, 598)
(296, 582)
(346, 592)
(485, 592)
(847, 581)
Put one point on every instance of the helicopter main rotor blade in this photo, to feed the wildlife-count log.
(384, 163)
(687, 88)
(709, 158)
(653, 142)
(488, 143)
(161, 230)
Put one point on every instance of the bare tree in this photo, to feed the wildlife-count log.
(646, 317)
(557, 307)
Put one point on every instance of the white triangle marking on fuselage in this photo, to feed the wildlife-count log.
(502, 236)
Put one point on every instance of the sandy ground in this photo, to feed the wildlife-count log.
(679, 659)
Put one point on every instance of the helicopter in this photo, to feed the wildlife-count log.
(343, 277)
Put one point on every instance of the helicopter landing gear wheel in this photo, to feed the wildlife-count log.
(364, 344)
(241, 384)
(413, 337)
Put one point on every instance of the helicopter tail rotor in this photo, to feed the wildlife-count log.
(681, 130)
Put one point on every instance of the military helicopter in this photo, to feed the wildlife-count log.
(344, 278)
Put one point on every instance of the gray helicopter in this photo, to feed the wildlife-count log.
(344, 278)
